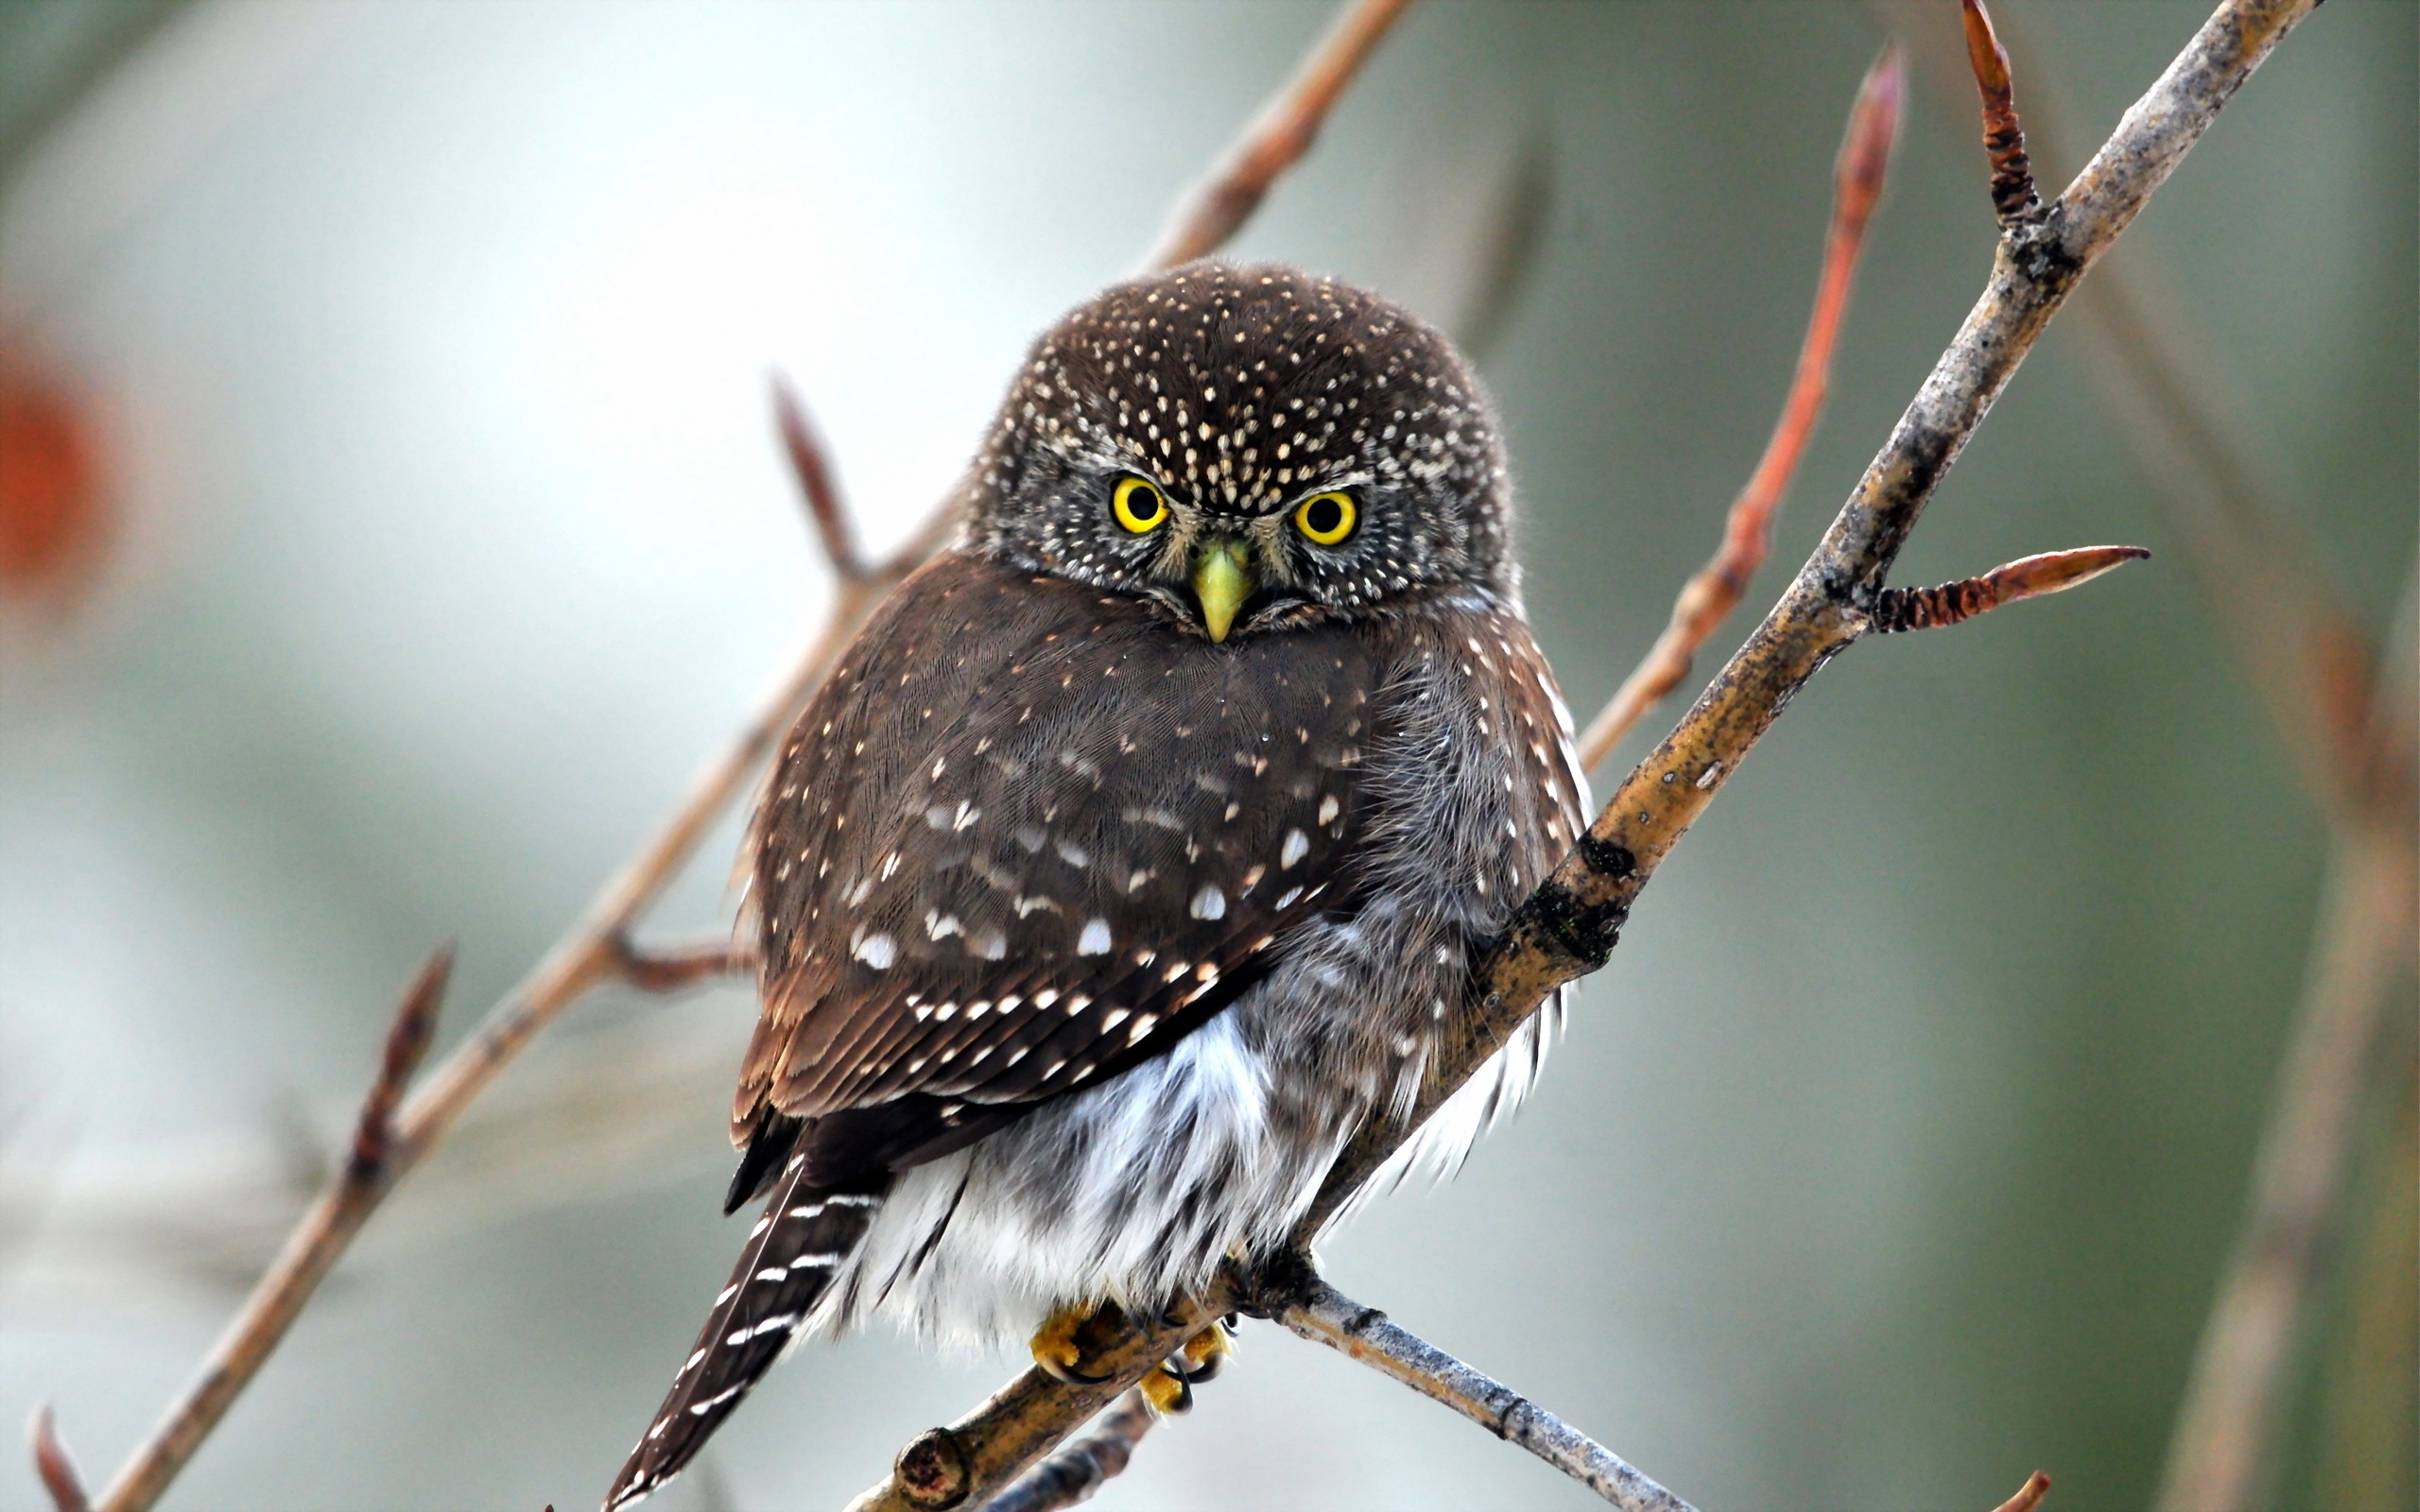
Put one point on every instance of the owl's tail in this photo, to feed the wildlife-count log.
(807, 1234)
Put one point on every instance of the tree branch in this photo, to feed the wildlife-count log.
(1326, 1316)
(1215, 209)
(1073, 1474)
(597, 946)
(2225, 1441)
(1706, 600)
(54, 1465)
(310, 1252)
(1570, 926)
(668, 968)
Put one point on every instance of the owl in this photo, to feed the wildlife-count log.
(1130, 859)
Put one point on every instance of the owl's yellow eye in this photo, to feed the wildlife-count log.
(1326, 518)
(1139, 506)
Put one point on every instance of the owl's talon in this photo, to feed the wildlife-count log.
(1168, 1392)
(1059, 1345)
(1207, 1351)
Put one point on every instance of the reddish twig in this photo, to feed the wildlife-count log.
(56, 1466)
(672, 968)
(1276, 139)
(818, 482)
(407, 1042)
(2052, 572)
(2012, 193)
(1707, 599)
(2029, 1496)
(1570, 926)
(596, 947)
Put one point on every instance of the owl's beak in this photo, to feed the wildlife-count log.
(1222, 581)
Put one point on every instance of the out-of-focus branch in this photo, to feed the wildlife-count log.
(53, 1464)
(1326, 1316)
(1073, 1474)
(1707, 599)
(2029, 1496)
(668, 968)
(310, 1252)
(598, 947)
(2225, 1441)
(818, 482)
(1215, 209)
(2312, 668)
(1570, 926)
(2284, 612)
(593, 950)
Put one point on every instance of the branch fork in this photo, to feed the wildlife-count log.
(1566, 929)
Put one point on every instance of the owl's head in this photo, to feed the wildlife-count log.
(1251, 448)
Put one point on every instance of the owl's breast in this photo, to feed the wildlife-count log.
(1028, 828)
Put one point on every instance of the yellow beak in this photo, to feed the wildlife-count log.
(1222, 581)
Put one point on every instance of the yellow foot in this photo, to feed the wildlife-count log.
(1067, 1342)
(1168, 1386)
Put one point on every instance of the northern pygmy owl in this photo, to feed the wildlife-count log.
(1130, 859)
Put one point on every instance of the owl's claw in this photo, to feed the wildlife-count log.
(1060, 1345)
(1168, 1386)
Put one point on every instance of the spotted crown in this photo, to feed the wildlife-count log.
(1240, 390)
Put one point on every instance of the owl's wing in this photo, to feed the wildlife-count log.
(1028, 835)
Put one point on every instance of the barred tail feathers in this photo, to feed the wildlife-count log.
(804, 1239)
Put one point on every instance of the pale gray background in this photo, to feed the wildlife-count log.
(1895, 1154)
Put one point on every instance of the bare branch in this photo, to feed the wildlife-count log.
(380, 1148)
(1215, 209)
(597, 946)
(1570, 926)
(56, 1466)
(2012, 193)
(818, 482)
(2052, 572)
(1707, 599)
(1326, 1316)
(669, 969)
(2226, 1430)
(1072, 1475)
(407, 1041)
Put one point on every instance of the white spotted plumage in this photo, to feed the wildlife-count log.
(1114, 932)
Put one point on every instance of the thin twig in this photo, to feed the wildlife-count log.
(670, 968)
(1072, 1475)
(407, 1039)
(1212, 212)
(1570, 926)
(56, 1466)
(819, 482)
(1326, 1316)
(2052, 572)
(2312, 669)
(2013, 191)
(2225, 1441)
(1858, 177)
(588, 953)
(323, 1233)
(596, 947)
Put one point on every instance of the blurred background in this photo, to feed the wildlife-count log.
(391, 522)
